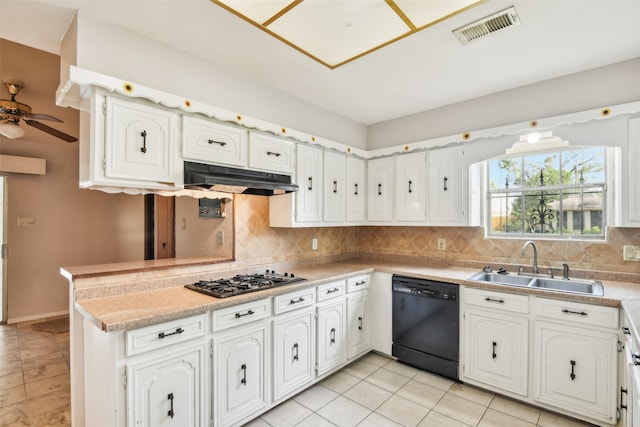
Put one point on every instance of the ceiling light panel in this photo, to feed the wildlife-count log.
(336, 31)
(258, 11)
(424, 13)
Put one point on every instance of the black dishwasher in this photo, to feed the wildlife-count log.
(425, 324)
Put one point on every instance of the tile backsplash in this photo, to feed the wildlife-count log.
(257, 243)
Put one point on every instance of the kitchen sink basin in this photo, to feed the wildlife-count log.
(589, 287)
(502, 279)
(575, 286)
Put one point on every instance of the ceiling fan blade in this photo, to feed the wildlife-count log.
(41, 117)
(51, 131)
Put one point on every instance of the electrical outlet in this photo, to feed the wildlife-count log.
(26, 222)
(631, 253)
(314, 244)
(220, 237)
(442, 244)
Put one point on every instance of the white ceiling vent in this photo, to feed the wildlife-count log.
(488, 25)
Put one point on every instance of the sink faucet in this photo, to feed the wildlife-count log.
(535, 254)
(565, 271)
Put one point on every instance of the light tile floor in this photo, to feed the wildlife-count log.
(374, 391)
(378, 391)
(34, 377)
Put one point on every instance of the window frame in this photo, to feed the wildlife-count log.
(522, 191)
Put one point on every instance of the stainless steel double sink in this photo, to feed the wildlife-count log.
(575, 286)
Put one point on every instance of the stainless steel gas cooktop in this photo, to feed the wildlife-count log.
(243, 283)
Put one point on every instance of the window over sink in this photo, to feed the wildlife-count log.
(559, 192)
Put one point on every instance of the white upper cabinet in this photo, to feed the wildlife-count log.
(634, 172)
(210, 142)
(271, 154)
(356, 190)
(334, 187)
(380, 189)
(410, 187)
(132, 144)
(309, 179)
(448, 187)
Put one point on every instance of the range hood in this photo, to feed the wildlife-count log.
(238, 181)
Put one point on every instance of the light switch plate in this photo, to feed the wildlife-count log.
(631, 253)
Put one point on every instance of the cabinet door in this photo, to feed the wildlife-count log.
(332, 349)
(357, 324)
(240, 366)
(496, 349)
(380, 189)
(309, 196)
(140, 142)
(168, 390)
(410, 187)
(294, 350)
(211, 142)
(271, 154)
(634, 174)
(447, 186)
(576, 369)
(334, 186)
(356, 189)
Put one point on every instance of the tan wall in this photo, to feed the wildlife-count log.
(72, 226)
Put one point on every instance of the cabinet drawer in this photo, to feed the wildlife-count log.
(208, 141)
(164, 334)
(241, 314)
(331, 290)
(294, 301)
(577, 313)
(358, 282)
(270, 154)
(497, 300)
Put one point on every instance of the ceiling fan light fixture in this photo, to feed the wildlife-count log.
(11, 130)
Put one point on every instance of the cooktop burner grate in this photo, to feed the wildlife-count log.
(243, 283)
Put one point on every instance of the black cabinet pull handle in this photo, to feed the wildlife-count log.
(626, 330)
(335, 186)
(163, 335)
(581, 313)
(362, 282)
(295, 301)
(573, 365)
(248, 313)
(170, 413)
(332, 336)
(310, 179)
(445, 183)
(501, 301)
(410, 190)
(295, 354)
(244, 374)
(360, 323)
(220, 143)
(273, 153)
(635, 358)
(379, 189)
(143, 134)
(356, 192)
(493, 353)
(330, 291)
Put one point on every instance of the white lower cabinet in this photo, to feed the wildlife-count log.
(496, 349)
(332, 349)
(569, 350)
(575, 369)
(357, 324)
(168, 388)
(294, 351)
(241, 366)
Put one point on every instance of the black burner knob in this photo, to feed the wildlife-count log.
(293, 275)
(286, 274)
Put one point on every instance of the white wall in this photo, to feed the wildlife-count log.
(600, 87)
(120, 53)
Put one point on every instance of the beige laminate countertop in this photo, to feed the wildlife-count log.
(134, 310)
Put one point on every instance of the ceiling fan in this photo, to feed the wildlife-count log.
(12, 111)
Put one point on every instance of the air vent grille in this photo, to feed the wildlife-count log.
(488, 25)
